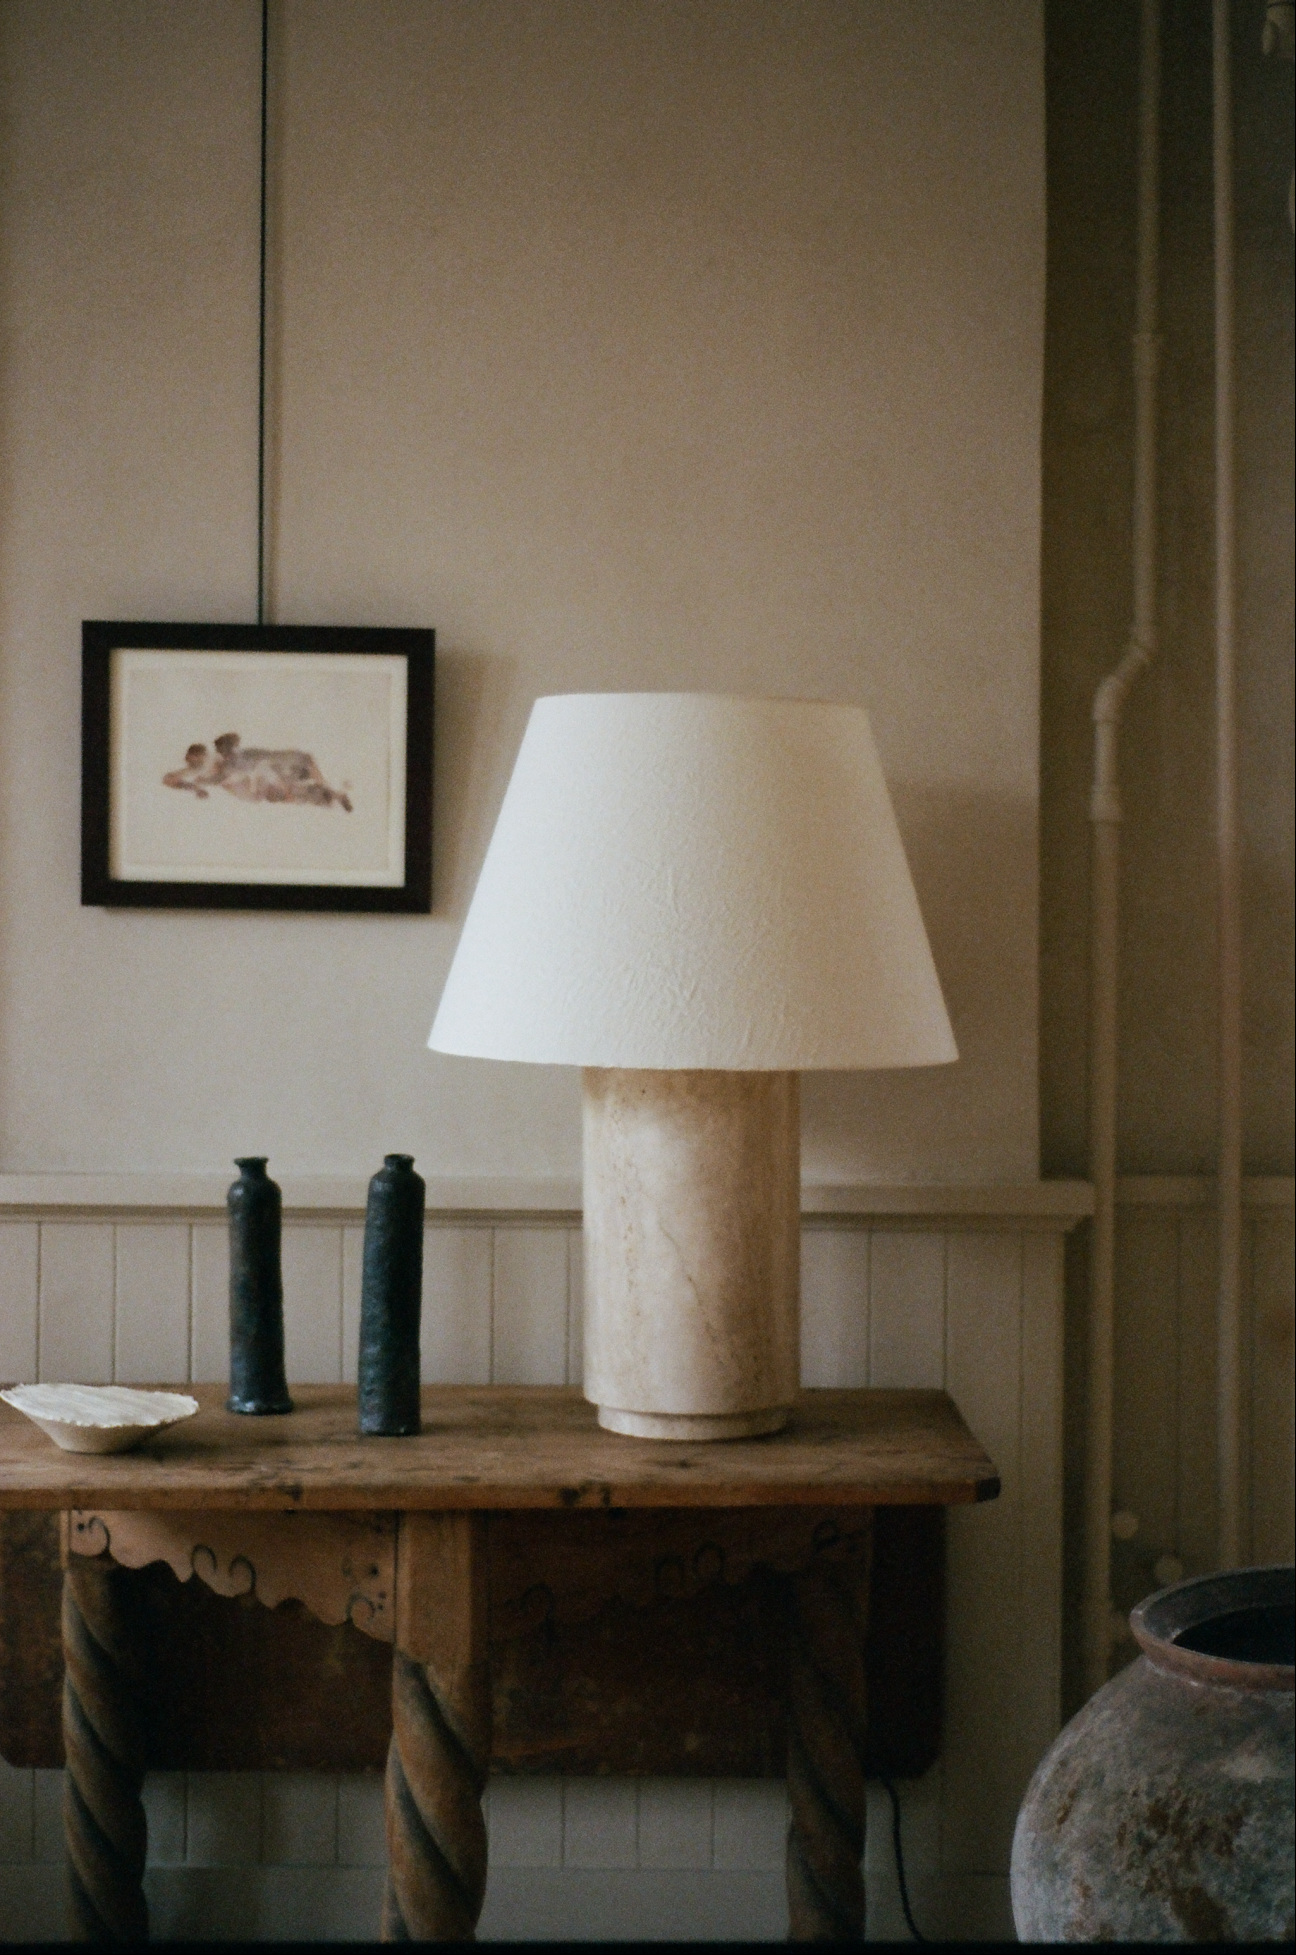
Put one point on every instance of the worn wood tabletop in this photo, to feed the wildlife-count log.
(508, 1446)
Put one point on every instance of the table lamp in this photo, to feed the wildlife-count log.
(694, 898)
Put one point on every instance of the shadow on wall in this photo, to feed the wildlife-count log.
(1268, 1029)
(974, 862)
(473, 756)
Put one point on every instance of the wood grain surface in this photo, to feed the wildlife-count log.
(509, 1447)
(639, 1643)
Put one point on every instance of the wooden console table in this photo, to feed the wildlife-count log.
(409, 1540)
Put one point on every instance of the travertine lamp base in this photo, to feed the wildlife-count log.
(692, 1251)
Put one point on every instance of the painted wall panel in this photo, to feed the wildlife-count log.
(1039, 1600)
(1196, 1359)
(600, 1823)
(1273, 1470)
(525, 1822)
(166, 1800)
(210, 1356)
(1147, 1384)
(19, 1300)
(312, 1283)
(835, 1306)
(575, 1307)
(529, 1344)
(676, 1823)
(76, 1302)
(299, 1819)
(601, 340)
(456, 1323)
(352, 1266)
(907, 1299)
(984, 1651)
(152, 1325)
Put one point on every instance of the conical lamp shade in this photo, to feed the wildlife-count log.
(682, 880)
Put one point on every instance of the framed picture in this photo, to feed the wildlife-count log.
(266, 767)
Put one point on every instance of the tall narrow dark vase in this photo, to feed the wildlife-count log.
(257, 1381)
(391, 1295)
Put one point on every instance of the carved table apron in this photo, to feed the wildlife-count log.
(392, 1536)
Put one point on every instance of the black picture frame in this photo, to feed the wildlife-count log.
(103, 750)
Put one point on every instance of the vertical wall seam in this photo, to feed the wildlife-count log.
(576, 1333)
(1229, 973)
(1019, 1525)
(40, 1285)
(567, 1313)
(113, 1363)
(868, 1306)
(341, 1366)
(1176, 1392)
(944, 1242)
(189, 1329)
(942, 1820)
(1251, 1353)
(490, 1346)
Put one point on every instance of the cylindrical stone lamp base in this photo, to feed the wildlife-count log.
(692, 1251)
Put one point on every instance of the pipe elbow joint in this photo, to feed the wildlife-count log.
(1108, 699)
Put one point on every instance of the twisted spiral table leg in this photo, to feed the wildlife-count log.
(441, 1731)
(436, 1835)
(825, 1766)
(103, 1740)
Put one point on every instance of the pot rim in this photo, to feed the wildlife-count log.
(1162, 1617)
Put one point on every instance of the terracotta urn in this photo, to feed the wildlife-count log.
(1164, 1811)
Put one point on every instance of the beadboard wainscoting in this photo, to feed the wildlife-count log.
(1163, 1484)
(125, 1277)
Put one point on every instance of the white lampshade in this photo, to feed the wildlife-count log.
(678, 880)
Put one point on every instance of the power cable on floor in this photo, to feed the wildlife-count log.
(898, 1845)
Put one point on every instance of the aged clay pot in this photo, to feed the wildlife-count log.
(1164, 1811)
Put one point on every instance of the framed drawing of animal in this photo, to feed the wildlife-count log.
(256, 767)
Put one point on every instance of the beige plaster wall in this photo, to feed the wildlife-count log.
(1168, 978)
(641, 345)
(1166, 1261)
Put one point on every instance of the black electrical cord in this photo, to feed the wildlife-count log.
(261, 328)
(896, 1842)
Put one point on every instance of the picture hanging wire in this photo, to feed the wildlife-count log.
(261, 330)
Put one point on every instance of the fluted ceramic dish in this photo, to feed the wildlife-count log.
(99, 1418)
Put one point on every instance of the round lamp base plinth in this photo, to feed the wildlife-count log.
(693, 1425)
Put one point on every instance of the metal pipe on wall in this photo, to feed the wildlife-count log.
(1227, 837)
(1105, 817)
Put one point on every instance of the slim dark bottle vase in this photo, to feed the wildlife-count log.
(257, 1381)
(391, 1296)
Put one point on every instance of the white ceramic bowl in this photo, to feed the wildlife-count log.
(99, 1418)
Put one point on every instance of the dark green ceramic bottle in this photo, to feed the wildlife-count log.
(391, 1299)
(257, 1381)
